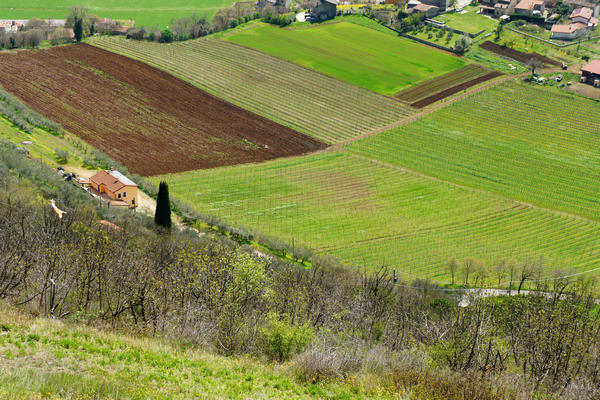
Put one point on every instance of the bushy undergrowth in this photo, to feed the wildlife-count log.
(23, 117)
(331, 322)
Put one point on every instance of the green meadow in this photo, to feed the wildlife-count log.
(144, 12)
(469, 21)
(356, 54)
(368, 214)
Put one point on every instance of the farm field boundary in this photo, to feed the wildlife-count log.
(144, 12)
(307, 101)
(514, 143)
(517, 55)
(446, 85)
(353, 53)
(145, 118)
(369, 214)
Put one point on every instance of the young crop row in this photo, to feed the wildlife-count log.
(307, 101)
(367, 214)
(519, 141)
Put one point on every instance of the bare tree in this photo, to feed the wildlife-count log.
(452, 265)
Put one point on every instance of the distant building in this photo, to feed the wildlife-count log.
(10, 26)
(594, 6)
(324, 9)
(590, 73)
(278, 4)
(429, 11)
(114, 188)
(529, 7)
(583, 15)
(497, 8)
(568, 32)
(582, 21)
(442, 5)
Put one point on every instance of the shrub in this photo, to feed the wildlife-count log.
(315, 365)
(281, 339)
(62, 155)
(166, 36)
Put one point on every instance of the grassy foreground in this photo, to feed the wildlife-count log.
(352, 53)
(44, 358)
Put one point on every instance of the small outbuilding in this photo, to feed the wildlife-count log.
(590, 73)
(324, 9)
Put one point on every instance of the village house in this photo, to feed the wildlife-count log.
(590, 73)
(497, 8)
(568, 32)
(442, 5)
(584, 15)
(530, 7)
(324, 9)
(10, 26)
(429, 11)
(594, 6)
(114, 188)
(582, 20)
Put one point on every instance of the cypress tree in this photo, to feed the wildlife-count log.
(162, 215)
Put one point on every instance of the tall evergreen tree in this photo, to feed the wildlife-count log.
(162, 215)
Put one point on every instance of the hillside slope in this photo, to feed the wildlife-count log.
(52, 359)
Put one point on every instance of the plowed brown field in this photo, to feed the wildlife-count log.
(147, 119)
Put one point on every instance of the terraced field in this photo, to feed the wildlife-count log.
(145, 118)
(369, 214)
(307, 101)
(521, 141)
(355, 54)
(446, 85)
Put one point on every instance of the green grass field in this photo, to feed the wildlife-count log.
(352, 53)
(307, 101)
(468, 21)
(369, 214)
(533, 144)
(50, 359)
(145, 12)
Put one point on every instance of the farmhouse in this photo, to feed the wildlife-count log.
(590, 73)
(325, 9)
(114, 188)
(530, 7)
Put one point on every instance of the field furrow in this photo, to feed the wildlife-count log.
(307, 101)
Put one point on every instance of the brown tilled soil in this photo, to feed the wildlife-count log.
(454, 89)
(147, 119)
(517, 55)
